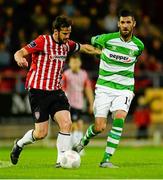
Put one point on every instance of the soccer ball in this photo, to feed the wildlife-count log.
(70, 159)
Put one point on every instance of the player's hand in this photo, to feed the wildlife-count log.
(22, 62)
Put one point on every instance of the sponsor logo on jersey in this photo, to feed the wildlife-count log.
(54, 57)
(120, 58)
(32, 44)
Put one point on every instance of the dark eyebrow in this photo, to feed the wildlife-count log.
(126, 21)
(66, 32)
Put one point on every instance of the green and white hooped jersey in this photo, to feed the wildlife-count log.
(117, 61)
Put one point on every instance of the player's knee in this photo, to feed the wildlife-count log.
(66, 126)
(40, 134)
(99, 127)
(120, 115)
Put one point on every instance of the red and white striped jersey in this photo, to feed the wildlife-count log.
(48, 58)
(73, 85)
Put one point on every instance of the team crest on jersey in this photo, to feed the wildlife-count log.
(64, 47)
(32, 44)
(97, 37)
(114, 48)
(131, 53)
(37, 115)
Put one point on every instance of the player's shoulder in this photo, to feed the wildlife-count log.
(108, 36)
(138, 42)
(42, 36)
(46, 37)
(114, 35)
(70, 42)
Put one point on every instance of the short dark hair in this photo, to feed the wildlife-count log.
(61, 22)
(125, 13)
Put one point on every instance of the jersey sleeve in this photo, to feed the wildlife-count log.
(98, 41)
(139, 44)
(36, 45)
(73, 46)
(141, 48)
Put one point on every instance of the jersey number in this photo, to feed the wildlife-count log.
(126, 100)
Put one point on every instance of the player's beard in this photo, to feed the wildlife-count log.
(61, 40)
(125, 34)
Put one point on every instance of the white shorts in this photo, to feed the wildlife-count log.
(111, 101)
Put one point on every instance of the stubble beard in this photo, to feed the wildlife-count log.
(125, 35)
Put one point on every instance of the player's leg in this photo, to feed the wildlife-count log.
(79, 134)
(77, 127)
(40, 131)
(113, 137)
(101, 109)
(60, 112)
(63, 140)
(38, 104)
(92, 131)
(80, 124)
(120, 107)
(74, 131)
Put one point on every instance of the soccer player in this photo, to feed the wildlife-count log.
(115, 84)
(77, 85)
(43, 82)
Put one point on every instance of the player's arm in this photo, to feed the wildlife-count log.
(99, 40)
(89, 49)
(20, 59)
(32, 47)
(89, 93)
(90, 97)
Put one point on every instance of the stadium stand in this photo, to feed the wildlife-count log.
(19, 26)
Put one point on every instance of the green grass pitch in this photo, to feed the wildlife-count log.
(134, 162)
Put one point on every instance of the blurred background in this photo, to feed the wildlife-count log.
(23, 20)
